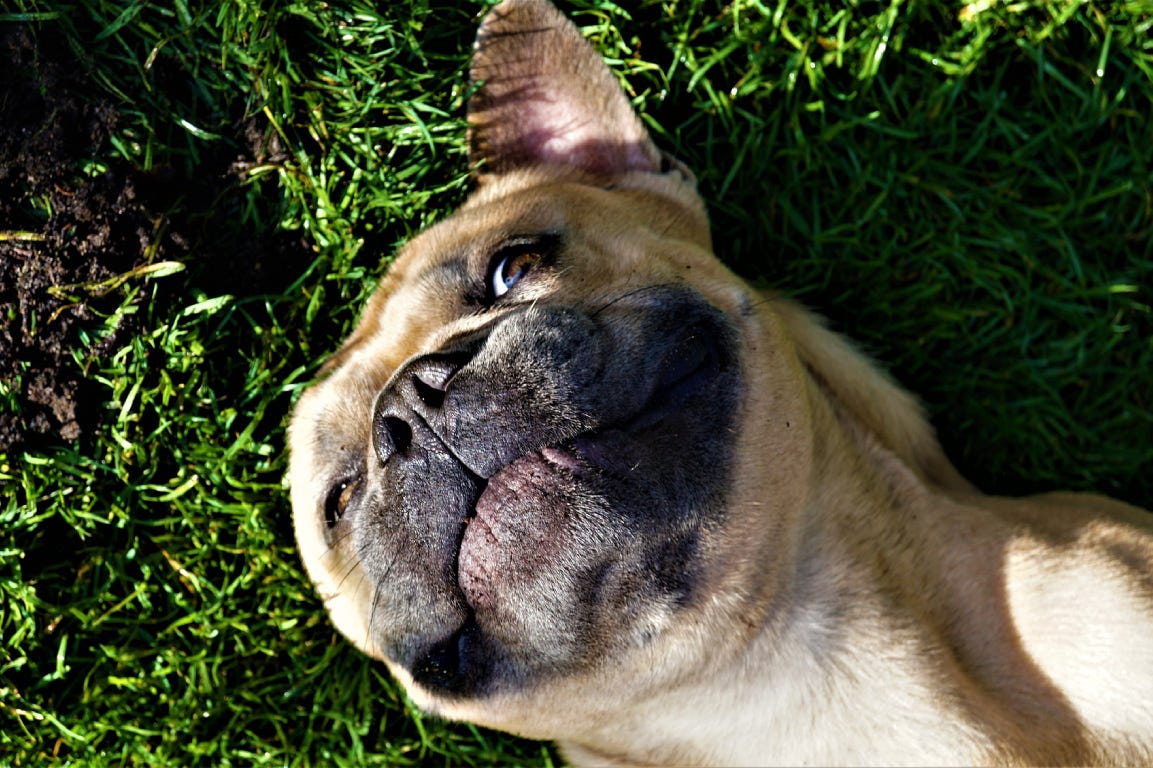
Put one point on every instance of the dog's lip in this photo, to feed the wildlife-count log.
(565, 458)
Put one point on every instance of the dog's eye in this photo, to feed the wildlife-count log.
(516, 258)
(338, 499)
(512, 264)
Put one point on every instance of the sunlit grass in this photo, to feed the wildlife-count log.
(964, 189)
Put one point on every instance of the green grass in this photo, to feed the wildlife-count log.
(966, 191)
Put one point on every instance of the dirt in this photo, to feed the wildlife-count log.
(67, 224)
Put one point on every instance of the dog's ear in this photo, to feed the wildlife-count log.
(546, 98)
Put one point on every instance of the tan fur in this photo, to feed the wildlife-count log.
(867, 605)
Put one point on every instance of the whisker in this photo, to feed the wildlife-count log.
(376, 594)
(634, 292)
(337, 542)
(352, 567)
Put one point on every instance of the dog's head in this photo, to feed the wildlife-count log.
(525, 479)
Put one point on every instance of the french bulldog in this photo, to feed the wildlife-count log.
(571, 478)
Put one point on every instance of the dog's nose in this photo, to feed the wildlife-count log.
(417, 391)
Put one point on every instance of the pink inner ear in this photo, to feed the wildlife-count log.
(547, 98)
(567, 138)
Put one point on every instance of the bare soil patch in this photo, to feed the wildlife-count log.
(71, 218)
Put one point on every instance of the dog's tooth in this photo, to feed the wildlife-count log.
(562, 459)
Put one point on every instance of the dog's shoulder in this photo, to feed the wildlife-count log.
(1079, 585)
(863, 393)
(1053, 594)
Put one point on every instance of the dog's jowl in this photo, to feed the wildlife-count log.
(572, 478)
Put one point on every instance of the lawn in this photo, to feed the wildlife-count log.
(196, 199)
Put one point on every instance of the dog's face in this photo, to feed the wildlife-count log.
(521, 480)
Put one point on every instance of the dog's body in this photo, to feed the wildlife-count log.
(573, 479)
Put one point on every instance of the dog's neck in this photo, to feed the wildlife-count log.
(864, 633)
(903, 580)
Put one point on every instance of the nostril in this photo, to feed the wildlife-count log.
(400, 433)
(430, 377)
(392, 435)
(429, 393)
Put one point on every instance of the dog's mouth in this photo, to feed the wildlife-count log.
(519, 522)
(456, 663)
